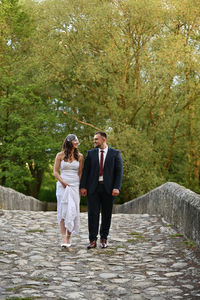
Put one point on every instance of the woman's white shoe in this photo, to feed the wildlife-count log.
(65, 245)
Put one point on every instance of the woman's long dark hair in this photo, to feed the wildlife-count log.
(67, 148)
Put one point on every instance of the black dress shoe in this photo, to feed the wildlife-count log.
(103, 243)
(92, 245)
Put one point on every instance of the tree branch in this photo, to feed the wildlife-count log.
(79, 121)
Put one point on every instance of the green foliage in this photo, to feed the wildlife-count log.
(26, 139)
(48, 186)
(142, 170)
(191, 244)
(128, 67)
(28, 122)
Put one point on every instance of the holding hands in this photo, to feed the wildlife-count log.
(115, 192)
(83, 192)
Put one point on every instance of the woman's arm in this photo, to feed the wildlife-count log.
(83, 182)
(80, 165)
(57, 168)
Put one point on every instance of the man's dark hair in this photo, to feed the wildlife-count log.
(102, 133)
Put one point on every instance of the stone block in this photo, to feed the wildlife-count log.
(176, 204)
(12, 200)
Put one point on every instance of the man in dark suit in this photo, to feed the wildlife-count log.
(101, 182)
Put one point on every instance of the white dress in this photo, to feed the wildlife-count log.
(68, 199)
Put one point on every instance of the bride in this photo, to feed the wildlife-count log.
(68, 170)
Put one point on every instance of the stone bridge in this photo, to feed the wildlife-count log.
(150, 255)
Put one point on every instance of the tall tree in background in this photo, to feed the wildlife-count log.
(28, 122)
(128, 67)
(93, 58)
(131, 68)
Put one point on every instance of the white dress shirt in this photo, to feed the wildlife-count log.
(105, 151)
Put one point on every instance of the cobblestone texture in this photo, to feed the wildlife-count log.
(146, 259)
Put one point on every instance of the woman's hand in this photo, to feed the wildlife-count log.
(64, 184)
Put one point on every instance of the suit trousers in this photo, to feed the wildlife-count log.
(99, 201)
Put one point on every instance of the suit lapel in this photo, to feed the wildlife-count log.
(107, 157)
(96, 155)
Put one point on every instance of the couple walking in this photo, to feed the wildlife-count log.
(99, 180)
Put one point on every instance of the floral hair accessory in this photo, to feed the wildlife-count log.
(71, 137)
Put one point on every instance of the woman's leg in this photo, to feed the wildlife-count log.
(65, 238)
(63, 231)
(68, 237)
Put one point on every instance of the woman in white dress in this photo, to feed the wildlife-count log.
(68, 170)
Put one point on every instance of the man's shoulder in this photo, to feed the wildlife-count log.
(113, 150)
(91, 151)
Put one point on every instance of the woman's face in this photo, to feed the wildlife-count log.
(75, 143)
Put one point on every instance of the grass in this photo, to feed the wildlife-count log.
(14, 289)
(21, 298)
(136, 236)
(190, 244)
(35, 230)
(107, 252)
(118, 247)
(134, 233)
(40, 278)
(132, 241)
(177, 235)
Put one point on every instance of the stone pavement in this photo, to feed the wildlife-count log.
(146, 259)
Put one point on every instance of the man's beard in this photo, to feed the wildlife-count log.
(98, 146)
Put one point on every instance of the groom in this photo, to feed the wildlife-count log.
(101, 182)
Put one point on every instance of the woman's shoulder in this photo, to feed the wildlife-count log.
(60, 155)
(80, 156)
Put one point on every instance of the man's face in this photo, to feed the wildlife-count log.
(98, 141)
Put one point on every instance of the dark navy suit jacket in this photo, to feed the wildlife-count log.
(112, 171)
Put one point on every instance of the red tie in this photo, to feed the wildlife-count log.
(101, 164)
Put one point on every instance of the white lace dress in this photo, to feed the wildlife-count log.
(68, 199)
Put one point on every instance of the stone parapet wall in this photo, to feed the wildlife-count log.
(10, 199)
(178, 205)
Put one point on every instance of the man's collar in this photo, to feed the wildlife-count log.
(105, 149)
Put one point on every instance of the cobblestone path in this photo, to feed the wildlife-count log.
(146, 259)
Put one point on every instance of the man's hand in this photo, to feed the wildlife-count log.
(83, 192)
(115, 192)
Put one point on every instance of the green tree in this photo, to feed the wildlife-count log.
(92, 60)
(128, 67)
(28, 122)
